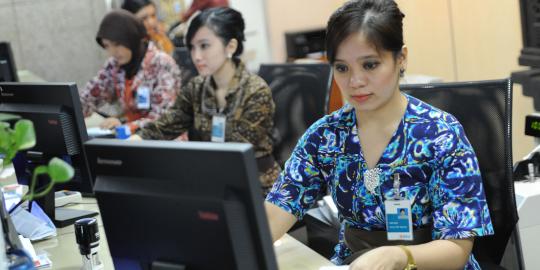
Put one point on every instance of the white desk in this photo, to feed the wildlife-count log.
(64, 251)
(28, 76)
(528, 200)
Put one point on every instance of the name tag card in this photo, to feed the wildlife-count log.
(218, 128)
(143, 98)
(398, 220)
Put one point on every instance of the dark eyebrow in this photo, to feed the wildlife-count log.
(360, 58)
(202, 40)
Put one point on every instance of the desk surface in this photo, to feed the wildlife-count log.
(64, 252)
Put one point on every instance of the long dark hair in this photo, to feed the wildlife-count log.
(225, 22)
(380, 21)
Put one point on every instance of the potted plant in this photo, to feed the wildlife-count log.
(21, 137)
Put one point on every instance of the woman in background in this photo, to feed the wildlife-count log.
(146, 11)
(177, 30)
(138, 77)
(225, 103)
(200, 5)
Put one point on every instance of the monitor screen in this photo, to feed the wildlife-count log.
(196, 205)
(55, 110)
(8, 70)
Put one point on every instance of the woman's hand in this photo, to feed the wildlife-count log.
(135, 137)
(382, 258)
(110, 123)
(183, 137)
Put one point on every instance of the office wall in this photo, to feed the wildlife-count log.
(488, 39)
(428, 36)
(296, 15)
(54, 38)
(257, 45)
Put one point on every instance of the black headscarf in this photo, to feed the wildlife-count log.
(124, 28)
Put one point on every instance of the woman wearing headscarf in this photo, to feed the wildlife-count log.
(140, 78)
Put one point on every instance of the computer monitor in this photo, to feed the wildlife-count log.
(8, 70)
(55, 111)
(300, 44)
(197, 205)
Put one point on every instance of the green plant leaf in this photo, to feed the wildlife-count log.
(25, 136)
(8, 117)
(60, 171)
(10, 154)
(5, 137)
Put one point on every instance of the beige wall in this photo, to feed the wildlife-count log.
(488, 44)
(456, 40)
(295, 15)
(427, 34)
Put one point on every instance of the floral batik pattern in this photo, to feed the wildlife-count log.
(436, 164)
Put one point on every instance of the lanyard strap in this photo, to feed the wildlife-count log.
(215, 111)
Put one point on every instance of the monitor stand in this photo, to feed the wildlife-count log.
(158, 265)
(64, 217)
(60, 216)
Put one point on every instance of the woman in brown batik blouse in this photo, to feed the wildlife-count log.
(225, 92)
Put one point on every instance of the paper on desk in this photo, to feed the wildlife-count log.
(96, 131)
(342, 267)
(41, 260)
(35, 226)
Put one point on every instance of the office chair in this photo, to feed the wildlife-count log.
(301, 93)
(484, 108)
(183, 59)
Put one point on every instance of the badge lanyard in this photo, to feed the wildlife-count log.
(218, 128)
(143, 97)
(219, 119)
(142, 94)
(398, 215)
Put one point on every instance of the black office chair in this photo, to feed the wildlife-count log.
(183, 59)
(300, 92)
(484, 108)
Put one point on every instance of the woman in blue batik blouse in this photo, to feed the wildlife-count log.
(379, 138)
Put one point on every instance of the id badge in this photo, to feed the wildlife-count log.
(218, 128)
(398, 220)
(143, 98)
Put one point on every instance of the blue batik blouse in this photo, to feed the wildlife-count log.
(436, 163)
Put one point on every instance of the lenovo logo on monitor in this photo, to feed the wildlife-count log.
(4, 93)
(110, 162)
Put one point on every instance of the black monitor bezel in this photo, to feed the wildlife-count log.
(7, 54)
(125, 167)
(40, 94)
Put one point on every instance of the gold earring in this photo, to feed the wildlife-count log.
(401, 72)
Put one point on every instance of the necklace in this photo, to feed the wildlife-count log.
(372, 179)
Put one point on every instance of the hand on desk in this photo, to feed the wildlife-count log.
(183, 137)
(135, 137)
(110, 123)
(386, 257)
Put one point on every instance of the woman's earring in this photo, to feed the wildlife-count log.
(401, 72)
(229, 55)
